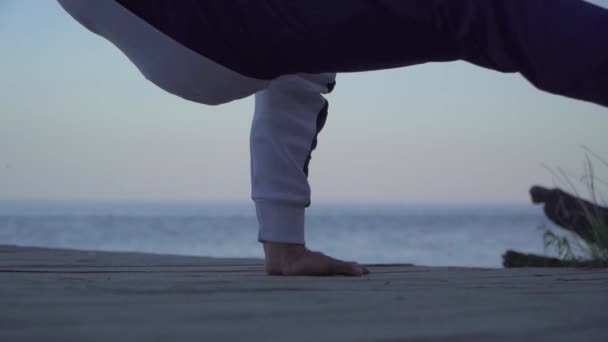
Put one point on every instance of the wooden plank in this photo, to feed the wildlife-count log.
(67, 295)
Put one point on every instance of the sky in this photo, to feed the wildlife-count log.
(78, 122)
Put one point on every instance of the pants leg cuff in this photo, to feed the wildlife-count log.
(280, 222)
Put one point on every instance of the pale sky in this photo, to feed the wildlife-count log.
(78, 121)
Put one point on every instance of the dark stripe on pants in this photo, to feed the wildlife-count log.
(321, 119)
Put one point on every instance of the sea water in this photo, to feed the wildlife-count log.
(434, 235)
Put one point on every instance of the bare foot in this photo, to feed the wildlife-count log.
(290, 260)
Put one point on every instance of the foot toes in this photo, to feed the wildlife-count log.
(365, 270)
(348, 269)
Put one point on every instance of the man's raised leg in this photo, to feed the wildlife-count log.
(560, 46)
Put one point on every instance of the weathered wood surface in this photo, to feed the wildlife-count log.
(63, 295)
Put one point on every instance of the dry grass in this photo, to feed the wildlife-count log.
(569, 248)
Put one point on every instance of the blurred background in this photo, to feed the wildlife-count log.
(428, 164)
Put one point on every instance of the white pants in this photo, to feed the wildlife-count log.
(286, 119)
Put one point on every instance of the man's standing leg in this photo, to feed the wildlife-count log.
(289, 115)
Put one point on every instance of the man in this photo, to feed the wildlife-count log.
(288, 52)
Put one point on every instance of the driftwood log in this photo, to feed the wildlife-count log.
(569, 212)
(566, 211)
(513, 259)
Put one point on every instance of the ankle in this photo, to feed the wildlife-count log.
(283, 251)
(279, 257)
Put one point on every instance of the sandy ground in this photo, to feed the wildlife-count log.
(67, 295)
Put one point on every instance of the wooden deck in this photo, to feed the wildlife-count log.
(66, 295)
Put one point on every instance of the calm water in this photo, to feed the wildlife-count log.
(426, 235)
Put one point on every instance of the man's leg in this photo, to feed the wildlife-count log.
(288, 117)
(560, 46)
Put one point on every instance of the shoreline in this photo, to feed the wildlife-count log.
(73, 295)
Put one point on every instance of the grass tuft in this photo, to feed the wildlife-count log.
(594, 250)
